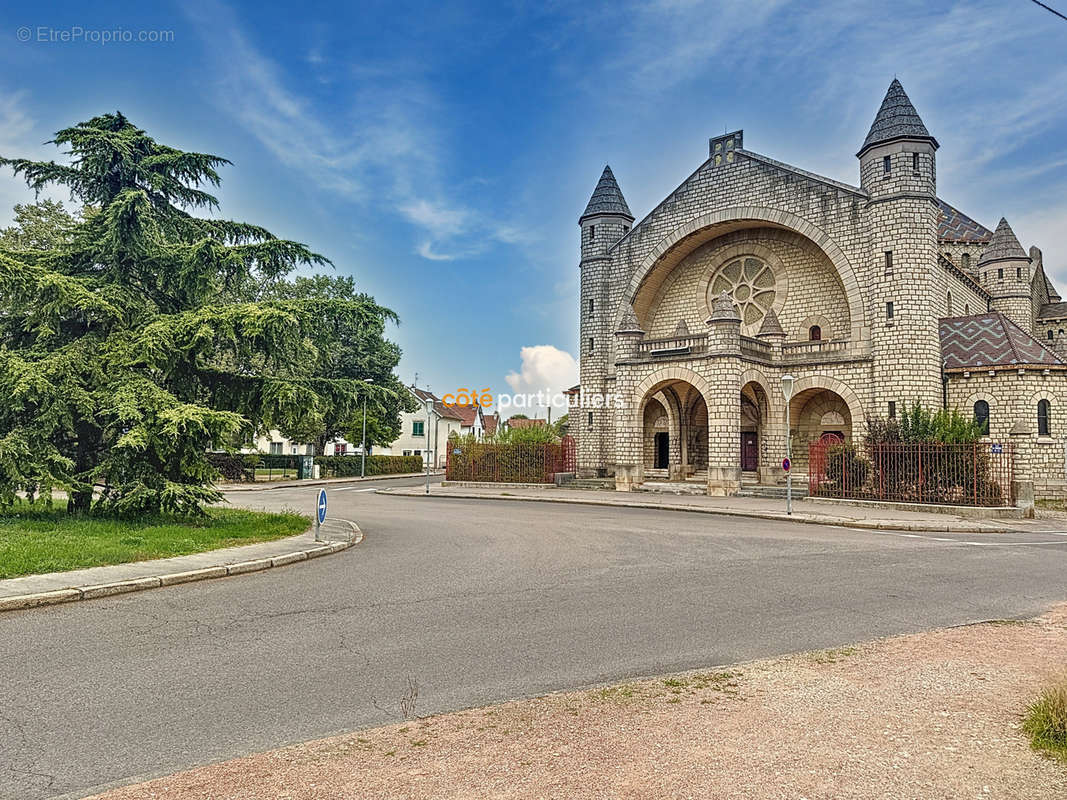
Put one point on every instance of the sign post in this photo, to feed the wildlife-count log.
(320, 511)
(787, 463)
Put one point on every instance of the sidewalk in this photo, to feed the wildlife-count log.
(259, 486)
(806, 511)
(87, 584)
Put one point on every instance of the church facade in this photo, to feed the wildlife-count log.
(871, 297)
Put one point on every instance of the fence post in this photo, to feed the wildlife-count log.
(974, 467)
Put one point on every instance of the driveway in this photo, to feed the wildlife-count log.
(476, 602)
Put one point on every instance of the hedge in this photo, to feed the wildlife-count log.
(349, 466)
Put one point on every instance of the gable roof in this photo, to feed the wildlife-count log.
(955, 226)
(465, 414)
(446, 412)
(985, 341)
(896, 119)
(1004, 246)
(607, 198)
(490, 422)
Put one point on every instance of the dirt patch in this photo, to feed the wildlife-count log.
(935, 715)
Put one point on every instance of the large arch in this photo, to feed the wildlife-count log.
(662, 376)
(843, 390)
(684, 239)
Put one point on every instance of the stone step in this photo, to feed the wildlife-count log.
(673, 487)
(776, 492)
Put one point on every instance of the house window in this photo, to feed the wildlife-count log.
(889, 310)
(417, 428)
(888, 262)
(814, 333)
(915, 162)
(277, 448)
(418, 452)
(407, 453)
(1043, 409)
(295, 449)
(892, 409)
(887, 165)
(965, 259)
(981, 416)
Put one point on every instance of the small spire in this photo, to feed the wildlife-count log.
(607, 198)
(629, 323)
(681, 329)
(771, 326)
(722, 310)
(896, 119)
(1004, 246)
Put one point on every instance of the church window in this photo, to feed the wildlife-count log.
(592, 232)
(1050, 334)
(590, 306)
(592, 341)
(590, 419)
(966, 308)
(625, 229)
(887, 165)
(814, 333)
(1018, 273)
(889, 310)
(750, 284)
(950, 304)
(1043, 409)
(888, 262)
(1000, 273)
(915, 162)
(981, 416)
(965, 259)
(892, 409)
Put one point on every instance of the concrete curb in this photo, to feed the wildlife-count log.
(266, 486)
(93, 591)
(807, 519)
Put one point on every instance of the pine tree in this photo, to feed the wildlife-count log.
(131, 347)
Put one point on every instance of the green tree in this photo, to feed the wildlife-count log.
(130, 347)
(41, 226)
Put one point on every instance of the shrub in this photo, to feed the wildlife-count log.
(846, 467)
(1046, 720)
(351, 466)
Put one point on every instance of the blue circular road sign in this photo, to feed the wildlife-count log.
(320, 507)
(786, 464)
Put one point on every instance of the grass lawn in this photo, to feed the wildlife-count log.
(38, 539)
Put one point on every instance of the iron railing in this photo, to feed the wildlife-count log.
(975, 474)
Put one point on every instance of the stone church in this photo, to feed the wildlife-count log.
(872, 297)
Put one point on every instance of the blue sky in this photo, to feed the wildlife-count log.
(441, 153)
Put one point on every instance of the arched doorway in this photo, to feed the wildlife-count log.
(674, 419)
(755, 406)
(817, 414)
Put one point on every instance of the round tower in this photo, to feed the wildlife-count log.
(606, 219)
(898, 172)
(1005, 271)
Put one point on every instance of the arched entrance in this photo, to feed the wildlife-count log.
(674, 432)
(755, 406)
(817, 413)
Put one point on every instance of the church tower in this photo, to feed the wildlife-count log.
(1004, 270)
(898, 172)
(606, 219)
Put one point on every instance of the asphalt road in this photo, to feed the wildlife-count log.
(476, 601)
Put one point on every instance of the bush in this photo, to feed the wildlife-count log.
(1046, 720)
(846, 467)
(351, 466)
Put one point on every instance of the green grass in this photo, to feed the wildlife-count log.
(36, 539)
(1046, 721)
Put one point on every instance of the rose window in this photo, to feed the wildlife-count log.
(750, 284)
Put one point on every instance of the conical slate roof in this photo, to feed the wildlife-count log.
(607, 198)
(896, 119)
(1003, 246)
(771, 326)
(629, 323)
(681, 329)
(722, 309)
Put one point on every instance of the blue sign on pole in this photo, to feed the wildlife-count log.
(321, 506)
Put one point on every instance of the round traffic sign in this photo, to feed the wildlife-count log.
(786, 464)
(320, 507)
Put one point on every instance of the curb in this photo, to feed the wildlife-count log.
(93, 591)
(915, 527)
(266, 486)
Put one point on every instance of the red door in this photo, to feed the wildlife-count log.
(749, 452)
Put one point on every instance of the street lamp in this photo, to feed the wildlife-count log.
(787, 391)
(426, 433)
(363, 464)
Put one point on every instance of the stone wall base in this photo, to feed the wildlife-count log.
(723, 481)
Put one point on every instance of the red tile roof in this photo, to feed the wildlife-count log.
(466, 414)
(491, 422)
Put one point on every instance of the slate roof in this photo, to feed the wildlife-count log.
(1003, 246)
(771, 326)
(955, 226)
(896, 119)
(607, 198)
(1053, 311)
(985, 341)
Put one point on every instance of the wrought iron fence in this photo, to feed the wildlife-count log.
(509, 463)
(977, 474)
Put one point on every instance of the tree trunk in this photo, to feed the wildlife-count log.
(88, 445)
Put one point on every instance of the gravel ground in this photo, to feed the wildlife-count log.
(934, 715)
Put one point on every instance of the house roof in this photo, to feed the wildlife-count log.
(984, 341)
(467, 415)
(955, 226)
(447, 412)
(491, 422)
(1004, 246)
(607, 198)
(526, 423)
(896, 119)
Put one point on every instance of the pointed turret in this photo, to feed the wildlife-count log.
(629, 323)
(770, 327)
(896, 119)
(1004, 246)
(681, 329)
(607, 199)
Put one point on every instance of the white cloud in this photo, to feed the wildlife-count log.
(546, 369)
(425, 249)
(19, 138)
